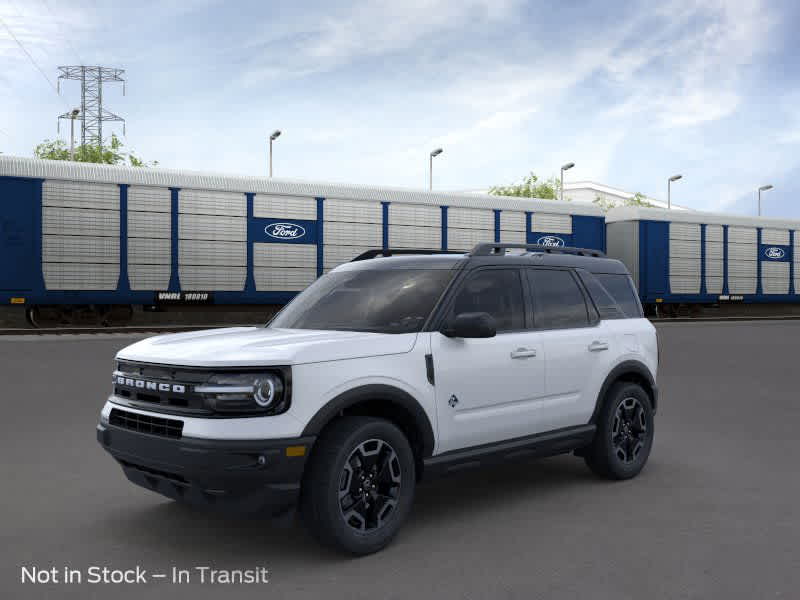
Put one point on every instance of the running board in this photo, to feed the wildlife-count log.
(540, 445)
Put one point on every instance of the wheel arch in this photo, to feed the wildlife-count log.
(385, 401)
(634, 372)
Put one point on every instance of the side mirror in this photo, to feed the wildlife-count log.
(471, 325)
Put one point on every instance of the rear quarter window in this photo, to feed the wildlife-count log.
(621, 288)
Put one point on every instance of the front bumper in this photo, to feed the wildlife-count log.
(241, 476)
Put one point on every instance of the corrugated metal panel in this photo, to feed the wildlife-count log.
(714, 233)
(285, 255)
(80, 221)
(221, 254)
(513, 237)
(470, 218)
(714, 285)
(622, 240)
(415, 214)
(684, 231)
(353, 211)
(149, 199)
(284, 207)
(200, 278)
(636, 213)
(75, 194)
(410, 236)
(742, 268)
(550, 223)
(742, 235)
(684, 249)
(466, 239)
(684, 284)
(714, 268)
(352, 234)
(714, 250)
(775, 236)
(80, 249)
(742, 285)
(80, 276)
(204, 202)
(775, 276)
(333, 256)
(205, 227)
(742, 252)
(512, 220)
(149, 225)
(46, 169)
(149, 251)
(149, 277)
(684, 267)
(283, 280)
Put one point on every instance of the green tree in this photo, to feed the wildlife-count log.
(111, 154)
(606, 204)
(530, 187)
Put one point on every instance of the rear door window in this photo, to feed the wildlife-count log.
(558, 301)
(606, 306)
(494, 291)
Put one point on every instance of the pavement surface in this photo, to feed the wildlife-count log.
(713, 515)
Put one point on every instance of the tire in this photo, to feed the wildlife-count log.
(353, 520)
(624, 436)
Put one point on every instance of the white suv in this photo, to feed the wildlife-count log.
(396, 366)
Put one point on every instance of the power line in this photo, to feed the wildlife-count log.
(30, 57)
(66, 37)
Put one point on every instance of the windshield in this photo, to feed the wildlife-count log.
(381, 301)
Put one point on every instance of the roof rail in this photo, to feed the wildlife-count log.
(487, 249)
(400, 251)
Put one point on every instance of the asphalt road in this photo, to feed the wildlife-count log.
(714, 515)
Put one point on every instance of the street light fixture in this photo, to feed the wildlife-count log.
(763, 188)
(275, 135)
(436, 152)
(73, 114)
(565, 167)
(669, 183)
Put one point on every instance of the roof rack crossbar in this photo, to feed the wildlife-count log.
(487, 249)
(399, 252)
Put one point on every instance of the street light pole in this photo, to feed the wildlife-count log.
(565, 167)
(669, 183)
(436, 152)
(275, 135)
(763, 188)
(73, 113)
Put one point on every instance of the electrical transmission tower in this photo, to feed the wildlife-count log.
(92, 113)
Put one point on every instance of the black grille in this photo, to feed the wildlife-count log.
(187, 401)
(171, 428)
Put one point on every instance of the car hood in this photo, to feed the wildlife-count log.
(261, 346)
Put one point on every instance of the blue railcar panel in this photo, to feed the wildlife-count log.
(123, 285)
(283, 231)
(20, 218)
(174, 278)
(653, 260)
(775, 252)
(320, 238)
(250, 280)
(589, 232)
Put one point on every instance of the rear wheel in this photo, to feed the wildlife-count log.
(359, 485)
(624, 434)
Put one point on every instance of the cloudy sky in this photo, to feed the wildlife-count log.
(632, 92)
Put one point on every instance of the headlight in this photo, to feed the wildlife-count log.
(263, 393)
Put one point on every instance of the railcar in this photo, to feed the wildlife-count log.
(97, 240)
(692, 260)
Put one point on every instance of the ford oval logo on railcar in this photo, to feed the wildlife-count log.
(285, 231)
(774, 253)
(550, 240)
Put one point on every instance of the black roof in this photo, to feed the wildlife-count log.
(590, 260)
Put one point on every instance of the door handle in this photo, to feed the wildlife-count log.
(523, 353)
(597, 346)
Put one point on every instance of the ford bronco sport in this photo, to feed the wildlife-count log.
(397, 366)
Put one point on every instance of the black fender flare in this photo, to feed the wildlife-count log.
(385, 393)
(628, 367)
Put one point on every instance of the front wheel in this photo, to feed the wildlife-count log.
(624, 434)
(359, 485)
